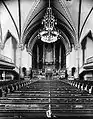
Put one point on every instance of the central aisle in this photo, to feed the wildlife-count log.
(46, 98)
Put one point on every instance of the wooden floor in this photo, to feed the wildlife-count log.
(45, 99)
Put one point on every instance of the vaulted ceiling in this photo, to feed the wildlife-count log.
(64, 23)
(33, 11)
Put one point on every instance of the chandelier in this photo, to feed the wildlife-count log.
(49, 33)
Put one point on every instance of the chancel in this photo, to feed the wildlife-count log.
(46, 59)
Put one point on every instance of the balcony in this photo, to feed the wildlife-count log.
(6, 63)
(6, 59)
(89, 60)
(89, 63)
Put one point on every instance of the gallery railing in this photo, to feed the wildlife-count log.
(5, 58)
(89, 60)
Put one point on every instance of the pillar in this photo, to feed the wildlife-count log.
(83, 47)
(68, 62)
(60, 57)
(54, 53)
(43, 54)
(73, 57)
(31, 60)
(37, 56)
(77, 64)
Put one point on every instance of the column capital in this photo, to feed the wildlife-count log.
(21, 46)
(1, 45)
(29, 51)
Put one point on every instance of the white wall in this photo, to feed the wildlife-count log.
(6, 22)
(80, 57)
(89, 49)
(17, 57)
(29, 61)
(71, 60)
(26, 59)
(68, 63)
(8, 49)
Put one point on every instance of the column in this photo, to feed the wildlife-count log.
(37, 56)
(77, 64)
(60, 57)
(54, 53)
(67, 60)
(73, 57)
(21, 48)
(31, 58)
(1, 43)
(33, 65)
(68, 63)
(43, 53)
(83, 47)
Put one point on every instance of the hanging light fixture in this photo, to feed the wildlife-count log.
(49, 33)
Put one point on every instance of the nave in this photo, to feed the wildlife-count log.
(45, 99)
(51, 38)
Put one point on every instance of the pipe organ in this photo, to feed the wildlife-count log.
(49, 55)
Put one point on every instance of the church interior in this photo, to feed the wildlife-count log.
(46, 59)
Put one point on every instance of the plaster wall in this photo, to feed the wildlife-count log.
(89, 49)
(8, 49)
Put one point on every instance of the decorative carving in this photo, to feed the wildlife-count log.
(1, 46)
(21, 46)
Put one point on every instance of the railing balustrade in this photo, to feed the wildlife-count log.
(5, 58)
(89, 60)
